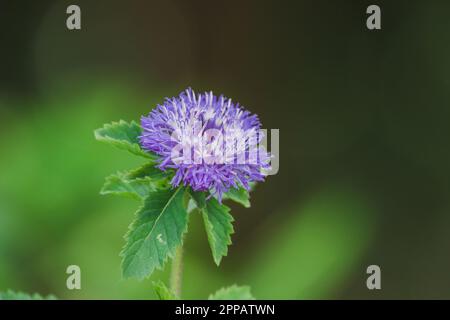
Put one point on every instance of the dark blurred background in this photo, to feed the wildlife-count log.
(364, 126)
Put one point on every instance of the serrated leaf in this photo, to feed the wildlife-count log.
(123, 135)
(148, 170)
(240, 196)
(136, 183)
(118, 184)
(218, 227)
(232, 293)
(155, 233)
(11, 295)
(163, 292)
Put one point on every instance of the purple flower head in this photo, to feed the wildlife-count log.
(212, 143)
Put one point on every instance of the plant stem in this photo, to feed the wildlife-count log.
(176, 272)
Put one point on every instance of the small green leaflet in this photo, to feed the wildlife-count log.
(123, 135)
(118, 184)
(155, 233)
(232, 293)
(218, 227)
(136, 183)
(11, 295)
(163, 292)
(240, 196)
(148, 170)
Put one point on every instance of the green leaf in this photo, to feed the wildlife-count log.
(218, 227)
(123, 135)
(118, 184)
(137, 183)
(163, 292)
(240, 196)
(11, 295)
(232, 293)
(148, 170)
(155, 233)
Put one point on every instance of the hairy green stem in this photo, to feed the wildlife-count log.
(176, 273)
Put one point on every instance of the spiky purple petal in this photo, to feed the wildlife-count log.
(183, 123)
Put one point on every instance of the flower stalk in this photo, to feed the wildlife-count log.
(176, 273)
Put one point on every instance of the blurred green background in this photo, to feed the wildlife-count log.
(364, 126)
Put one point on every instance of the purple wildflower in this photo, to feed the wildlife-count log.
(211, 143)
